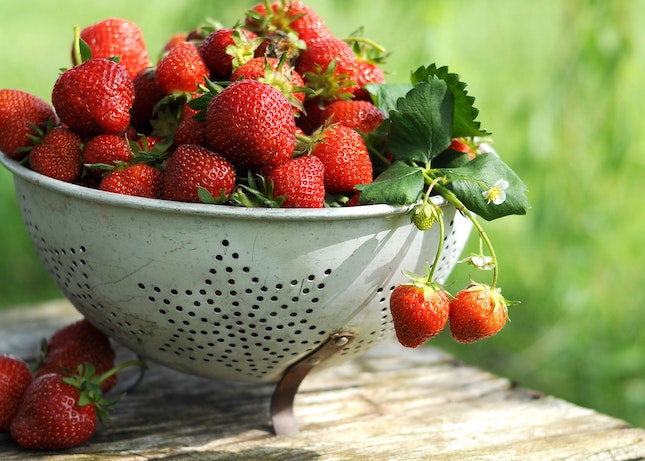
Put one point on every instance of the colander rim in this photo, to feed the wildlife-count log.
(103, 198)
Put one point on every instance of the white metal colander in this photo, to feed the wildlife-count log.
(224, 292)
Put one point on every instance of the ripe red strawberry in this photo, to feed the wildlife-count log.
(58, 155)
(345, 157)
(359, 115)
(463, 146)
(20, 110)
(15, 377)
(65, 361)
(139, 180)
(81, 330)
(419, 312)
(224, 50)
(280, 76)
(477, 312)
(181, 70)
(252, 124)
(117, 37)
(94, 97)
(190, 130)
(291, 16)
(368, 72)
(330, 67)
(191, 167)
(301, 181)
(146, 96)
(56, 414)
(77, 344)
(106, 149)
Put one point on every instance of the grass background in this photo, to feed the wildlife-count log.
(559, 83)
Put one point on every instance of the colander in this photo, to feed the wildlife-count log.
(224, 292)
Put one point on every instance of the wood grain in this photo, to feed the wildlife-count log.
(391, 404)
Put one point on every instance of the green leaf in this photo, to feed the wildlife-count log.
(385, 95)
(481, 173)
(400, 184)
(421, 123)
(464, 123)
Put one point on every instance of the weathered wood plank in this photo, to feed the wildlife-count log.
(391, 404)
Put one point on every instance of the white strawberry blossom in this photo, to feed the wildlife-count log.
(497, 193)
(482, 262)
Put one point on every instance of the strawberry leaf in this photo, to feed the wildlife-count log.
(421, 124)
(400, 184)
(470, 181)
(465, 113)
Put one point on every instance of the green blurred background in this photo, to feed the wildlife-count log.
(559, 83)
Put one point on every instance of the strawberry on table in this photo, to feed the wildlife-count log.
(114, 37)
(477, 312)
(59, 413)
(252, 124)
(58, 155)
(15, 377)
(94, 97)
(300, 181)
(192, 167)
(19, 112)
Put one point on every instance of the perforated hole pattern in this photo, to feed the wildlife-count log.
(232, 318)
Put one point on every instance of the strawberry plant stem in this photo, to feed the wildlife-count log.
(452, 198)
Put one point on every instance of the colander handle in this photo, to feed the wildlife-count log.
(282, 416)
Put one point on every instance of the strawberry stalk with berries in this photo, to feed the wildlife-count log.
(431, 144)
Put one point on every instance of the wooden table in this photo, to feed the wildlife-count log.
(391, 404)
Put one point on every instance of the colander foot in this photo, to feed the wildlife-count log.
(284, 421)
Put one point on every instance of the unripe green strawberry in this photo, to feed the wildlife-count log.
(424, 216)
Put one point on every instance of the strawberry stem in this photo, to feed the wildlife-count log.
(452, 198)
(78, 58)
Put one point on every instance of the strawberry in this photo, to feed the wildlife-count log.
(419, 312)
(190, 130)
(15, 377)
(94, 97)
(139, 180)
(76, 344)
(330, 67)
(477, 312)
(359, 115)
(252, 124)
(106, 149)
(300, 181)
(291, 16)
(345, 157)
(192, 167)
(20, 112)
(182, 69)
(224, 50)
(117, 37)
(146, 96)
(279, 75)
(59, 413)
(462, 145)
(58, 155)
(81, 330)
(368, 72)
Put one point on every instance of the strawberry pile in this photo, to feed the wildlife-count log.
(276, 111)
(226, 115)
(56, 404)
